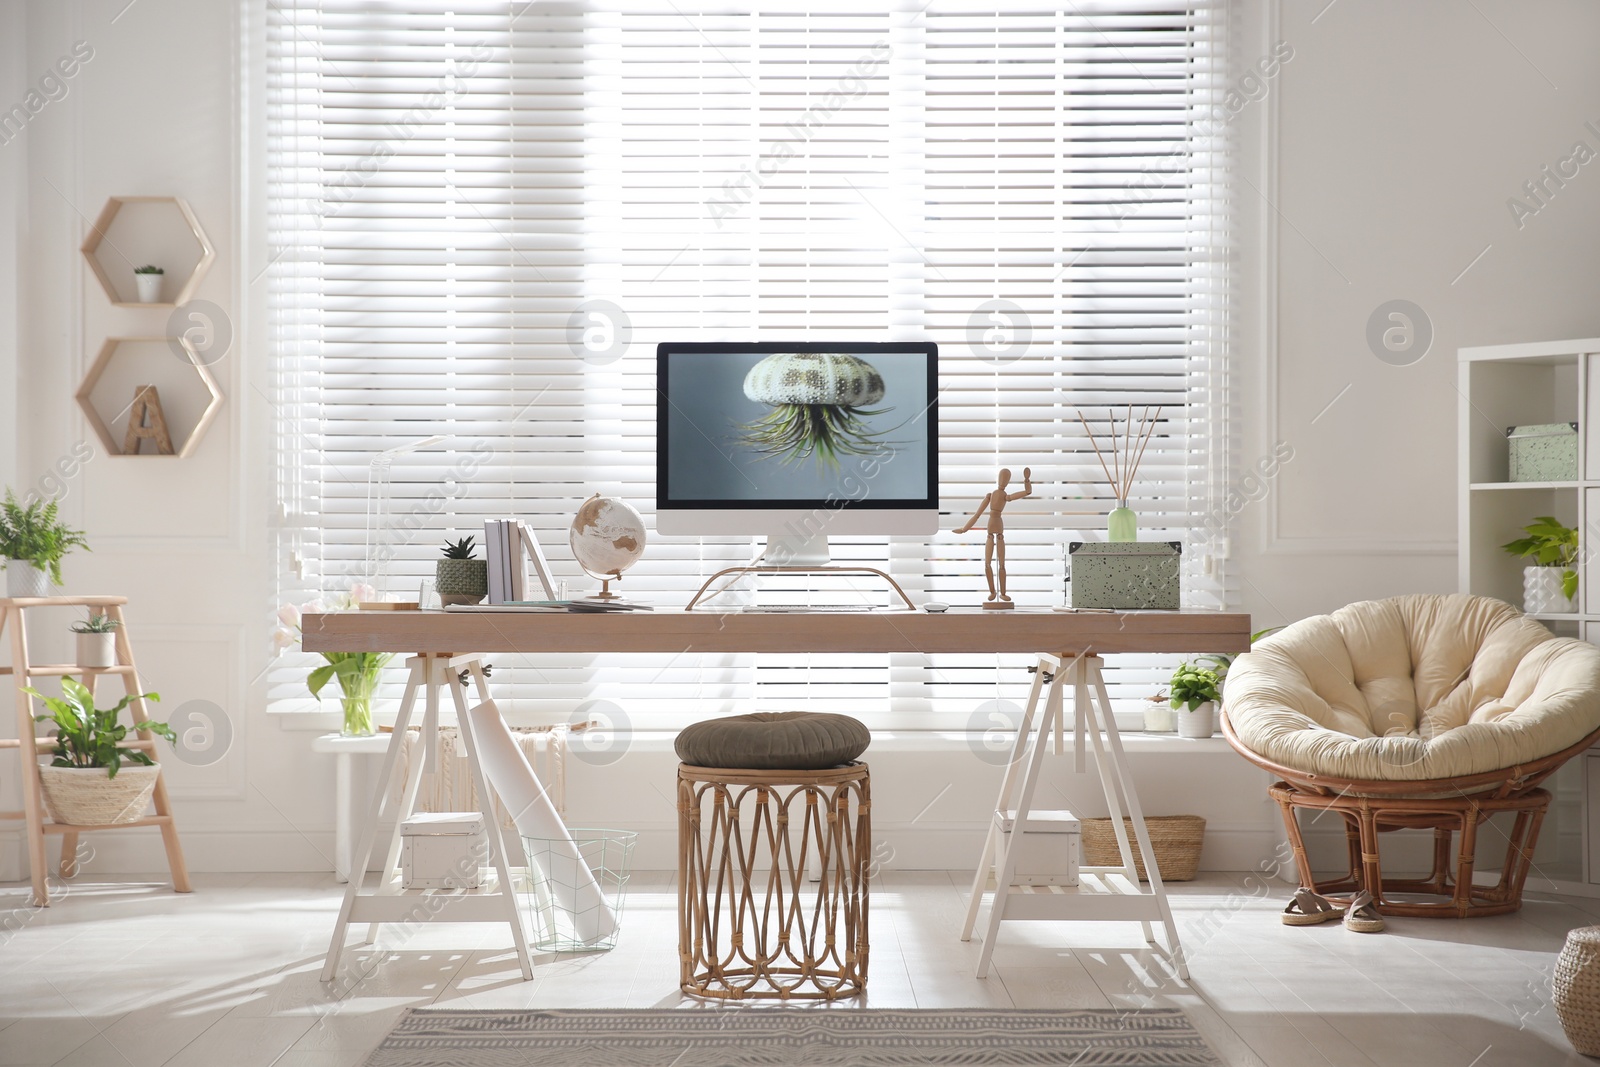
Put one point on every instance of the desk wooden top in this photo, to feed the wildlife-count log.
(843, 631)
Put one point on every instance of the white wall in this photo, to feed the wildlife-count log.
(13, 170)
(1384, 153)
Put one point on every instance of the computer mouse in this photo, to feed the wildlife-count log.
(936, 606)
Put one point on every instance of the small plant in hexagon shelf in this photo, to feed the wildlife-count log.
(148, 279)
(459, 578)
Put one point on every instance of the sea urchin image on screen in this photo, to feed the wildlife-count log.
(765, 426)
(819, 406)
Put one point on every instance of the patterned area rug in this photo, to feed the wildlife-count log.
(785, 1037)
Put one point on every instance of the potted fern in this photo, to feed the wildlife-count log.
(1194, 699)
(148, 280)
(97, 642)
(458, 577)
(33, 541)
(86, 783)
(1550, 579)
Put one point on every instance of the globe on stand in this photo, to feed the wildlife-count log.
(607, 537)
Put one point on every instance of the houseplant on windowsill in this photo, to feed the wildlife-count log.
(1194, 698)
(33, 542)
(86, 783)
(1550, 580)
(358, 673)
(97, 642)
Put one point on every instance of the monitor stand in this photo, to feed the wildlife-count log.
(794, 552)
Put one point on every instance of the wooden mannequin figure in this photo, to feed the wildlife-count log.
(995, 544)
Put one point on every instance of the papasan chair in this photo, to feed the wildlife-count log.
(1430, 712)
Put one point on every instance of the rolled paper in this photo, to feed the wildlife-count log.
(513, 779)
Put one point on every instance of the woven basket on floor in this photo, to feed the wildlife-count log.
(1176, 840)
(88, 796)
(1576, 989)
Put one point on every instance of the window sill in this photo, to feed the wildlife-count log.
(931, 741)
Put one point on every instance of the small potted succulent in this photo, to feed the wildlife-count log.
(1194, 699)
(97, 642)
(85, 783)
(148, 279)
(1550, 578)
(33, 542)
(459, 578)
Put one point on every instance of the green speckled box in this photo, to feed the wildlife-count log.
(1547, 452)
(1125, 574)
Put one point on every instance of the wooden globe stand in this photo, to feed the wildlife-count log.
(605, 592)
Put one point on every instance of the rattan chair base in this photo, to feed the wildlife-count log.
(1447, 806)
(751, 925)
(1451, 879)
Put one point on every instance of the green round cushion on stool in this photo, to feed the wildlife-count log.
(774, 741)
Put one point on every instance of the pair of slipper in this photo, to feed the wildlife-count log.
(1309, 909)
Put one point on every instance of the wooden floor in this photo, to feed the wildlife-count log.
(130, 974)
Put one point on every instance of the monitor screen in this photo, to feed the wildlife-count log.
(797, 425)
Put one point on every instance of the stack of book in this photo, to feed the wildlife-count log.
(510, 545)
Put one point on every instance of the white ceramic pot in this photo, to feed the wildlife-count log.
(149, 287)
(1201, 722)
(1541, 591)
(88, 796)
(97, 650)
(1158, 717)
(24, 579)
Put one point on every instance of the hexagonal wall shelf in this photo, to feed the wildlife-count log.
(185, 407)
(136, 230)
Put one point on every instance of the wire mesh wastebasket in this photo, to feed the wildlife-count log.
(554, 877)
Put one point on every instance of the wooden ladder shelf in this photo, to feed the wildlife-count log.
(23, 672)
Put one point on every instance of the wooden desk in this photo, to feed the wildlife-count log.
(1069, 646)
(1055, 632)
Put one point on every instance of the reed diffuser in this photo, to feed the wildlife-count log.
(1126, 450)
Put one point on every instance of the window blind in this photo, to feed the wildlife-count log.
(484, 216)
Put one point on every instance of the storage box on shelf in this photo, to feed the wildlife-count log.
(1532, 387)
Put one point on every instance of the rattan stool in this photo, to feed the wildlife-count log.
(750, 923)
(1576, 989)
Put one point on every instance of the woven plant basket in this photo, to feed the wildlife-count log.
(1176, 840)
(88, 796)
(1576, 989)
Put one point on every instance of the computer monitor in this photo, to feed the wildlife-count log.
(797, 440)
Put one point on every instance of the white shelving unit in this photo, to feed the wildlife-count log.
(1516, 385)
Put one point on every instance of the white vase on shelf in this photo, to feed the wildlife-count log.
(1541, 592)
(24, 579)
(97, 650)
(149, 286)
(1197, 722)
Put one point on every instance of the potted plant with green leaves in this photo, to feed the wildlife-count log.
(33, 541)
(148, 280)
(1194, 696)
(97, 642)
(358, 673)
(458, 577)
(1550, 579)
(86, 782)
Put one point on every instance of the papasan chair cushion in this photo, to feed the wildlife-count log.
(1413, 688)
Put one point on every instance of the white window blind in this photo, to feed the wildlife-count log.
(463, 193)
